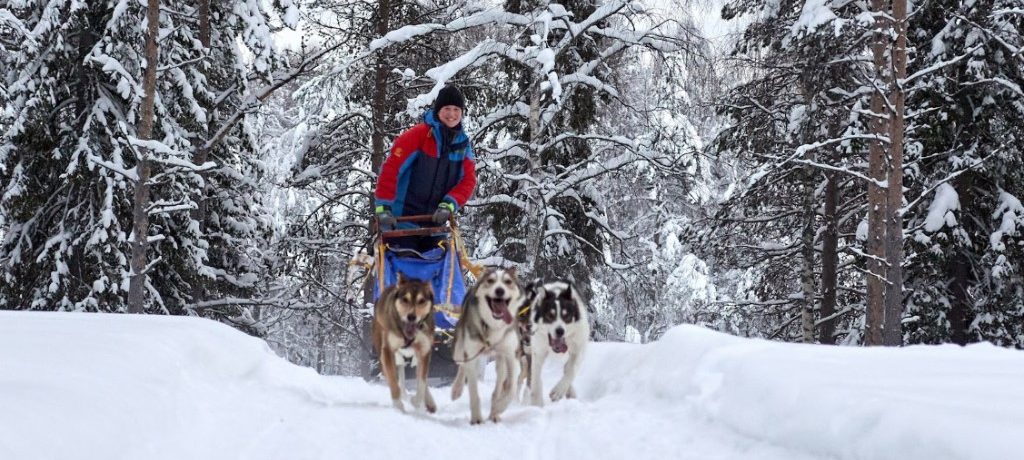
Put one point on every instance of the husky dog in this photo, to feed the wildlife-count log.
(487, 329)
(558, 324)
(403, 327)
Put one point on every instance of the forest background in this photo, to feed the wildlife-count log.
(836, 172)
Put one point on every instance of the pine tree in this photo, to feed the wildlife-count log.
(799, 128)
(70, 147)
(964, 174)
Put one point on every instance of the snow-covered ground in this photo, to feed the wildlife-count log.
(96, 386)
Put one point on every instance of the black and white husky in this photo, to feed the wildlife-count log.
(558, 318)
(487, 328)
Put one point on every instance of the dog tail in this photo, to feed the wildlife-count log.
(460, 380)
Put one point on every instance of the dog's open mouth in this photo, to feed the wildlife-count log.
(409, 330)
(499, 308)
(558, 344)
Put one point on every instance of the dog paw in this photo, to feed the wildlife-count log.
(558, 392)
(495, 418)
(431, 406)
(571, 394)
(476, 420)
(398, 404)
(537, 400)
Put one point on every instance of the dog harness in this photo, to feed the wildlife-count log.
(487, 346)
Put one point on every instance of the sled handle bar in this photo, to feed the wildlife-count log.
(414, 232)
(416, 218)
(417, 231)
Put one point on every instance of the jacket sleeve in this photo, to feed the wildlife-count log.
(463, 190)
(401, 152)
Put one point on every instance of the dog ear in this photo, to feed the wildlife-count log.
(537, 286)
(511, 271)
(536, 297)
(487, 272)
(399, 278)
(567, 293)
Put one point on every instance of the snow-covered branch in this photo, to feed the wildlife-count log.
(254, 100)
(131, 175)
(948, 178)
(939, 66)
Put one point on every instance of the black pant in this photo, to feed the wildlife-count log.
(417, 243)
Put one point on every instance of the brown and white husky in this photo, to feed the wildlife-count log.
(403, 328)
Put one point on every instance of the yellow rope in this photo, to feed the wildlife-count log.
(362, 260)
(447, 308)
(451, 275)
(475, 269)
(380, 264)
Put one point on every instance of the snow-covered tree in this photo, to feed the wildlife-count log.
(962, 112)
(964, 174)
(70, 146)
(798, 128)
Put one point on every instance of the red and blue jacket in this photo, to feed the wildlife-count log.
(415, 179)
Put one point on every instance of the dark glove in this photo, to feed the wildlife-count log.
(444, 211)
(385, 220)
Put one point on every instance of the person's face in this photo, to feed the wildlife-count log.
(450, 115)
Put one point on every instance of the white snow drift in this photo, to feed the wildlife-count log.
(96, 386)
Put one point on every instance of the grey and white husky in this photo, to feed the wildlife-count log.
(487, 328)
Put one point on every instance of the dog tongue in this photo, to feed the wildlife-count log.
(499, 308)
(505, 316)
(558, 345)
(409, 330)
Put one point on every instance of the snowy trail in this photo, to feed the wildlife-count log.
(610, 428)
(93, 386)
(614, 427)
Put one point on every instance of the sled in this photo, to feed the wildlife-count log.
(444, 266)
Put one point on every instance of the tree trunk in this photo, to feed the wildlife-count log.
(829, 260)
(320, 353)
(204, 23)
(876, 193)
(535, 230)
(140, 232)
(378, 107)
(893, 330)
(201, 153)
(87, 38)
(807, 255)
(960, 309)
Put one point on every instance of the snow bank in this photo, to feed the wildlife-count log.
(100, 386)
(104, 386)
(919, 402)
